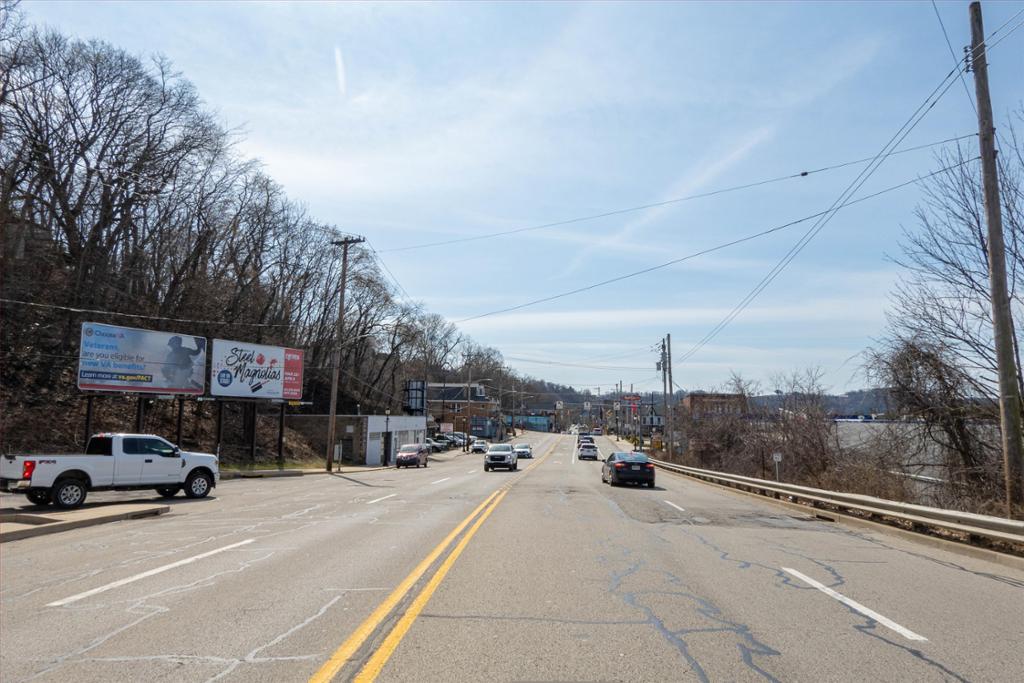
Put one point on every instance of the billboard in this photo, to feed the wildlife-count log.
(245, 370)
(115, 358)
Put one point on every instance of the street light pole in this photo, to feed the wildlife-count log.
(387, 437)
(336, 356)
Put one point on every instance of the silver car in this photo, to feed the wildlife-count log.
(501, 455)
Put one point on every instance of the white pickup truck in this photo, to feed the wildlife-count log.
(110, 462)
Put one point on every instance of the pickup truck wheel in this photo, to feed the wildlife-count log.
(198, 485)
(69, 493)
(39, 496)
(168, 491)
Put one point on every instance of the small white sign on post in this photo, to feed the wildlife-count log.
(777, 457)
(559, 405)
(586, 405)
(618, 405)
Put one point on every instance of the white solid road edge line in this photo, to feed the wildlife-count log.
(440, 480)
(669, 502)
(143, 575)
(377, 500)
(884, 621)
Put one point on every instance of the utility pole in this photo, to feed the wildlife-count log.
(1002, 323)
(664, 392)
(669, 411)
(336, 356)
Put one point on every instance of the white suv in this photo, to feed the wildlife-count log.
(501, 455)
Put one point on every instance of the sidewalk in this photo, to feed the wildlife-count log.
(256, 474)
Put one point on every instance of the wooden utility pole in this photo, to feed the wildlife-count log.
(670, 411)
(336, 356)
(1002, 323)
(664, 393)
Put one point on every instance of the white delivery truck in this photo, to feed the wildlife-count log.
(111, 462)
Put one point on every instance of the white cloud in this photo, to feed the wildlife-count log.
(702, 173)
(339, 70)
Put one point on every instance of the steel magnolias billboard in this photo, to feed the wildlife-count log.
(114, 358)
(245, 370)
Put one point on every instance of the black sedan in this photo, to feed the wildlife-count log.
(632, 468)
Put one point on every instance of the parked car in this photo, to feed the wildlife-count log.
(479, 446)
(631, 468)
(588, 451)
(111, 462)
(500, 455)
(436, 446)
(523, 450)
(454, 439)
(412, 454)
(597, 431)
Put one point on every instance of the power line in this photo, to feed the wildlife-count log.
(952, 54)
(904, 130)
(539, 361)
(139, 315)
(667, 202)
(709, 250)
(387, 270)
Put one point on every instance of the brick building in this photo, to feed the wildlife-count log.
(479, 416)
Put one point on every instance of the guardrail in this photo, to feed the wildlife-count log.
(919, 517)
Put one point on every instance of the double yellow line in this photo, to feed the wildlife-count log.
(380, 657)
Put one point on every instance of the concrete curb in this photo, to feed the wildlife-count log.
(262, 474)
(17, 526)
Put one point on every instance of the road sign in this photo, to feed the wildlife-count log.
(586, 405)
(559, 405)
(618, 405)
(777, 457)
(632, 398)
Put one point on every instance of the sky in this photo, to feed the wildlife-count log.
(419, 123)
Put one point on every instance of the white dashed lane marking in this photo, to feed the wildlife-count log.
(146, 574)
(871, 614)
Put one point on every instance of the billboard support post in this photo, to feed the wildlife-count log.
(181, 412)
(220, 425)
(252, 436)
(280, 437)
(88, 418)
(140, 413)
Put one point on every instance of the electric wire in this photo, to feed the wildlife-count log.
(706, 251)
(930, 101)
(805, 239)
(952, 53)
(537, 361)
(667, 202)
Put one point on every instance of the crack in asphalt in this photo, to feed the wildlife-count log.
(749, 648)
(1009, 581)
(867, 627)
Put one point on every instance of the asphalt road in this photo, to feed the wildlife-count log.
(551, 575)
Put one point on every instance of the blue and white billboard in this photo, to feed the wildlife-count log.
(114, 358)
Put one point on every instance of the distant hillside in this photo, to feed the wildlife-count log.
(861, 402)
